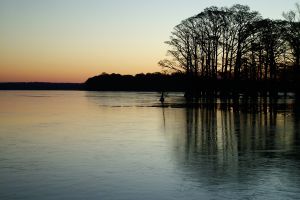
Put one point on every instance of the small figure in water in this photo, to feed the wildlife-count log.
(162, 98)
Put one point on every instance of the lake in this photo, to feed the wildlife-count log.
(125, 145)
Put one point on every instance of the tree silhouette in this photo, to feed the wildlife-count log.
(234, 43)
(293, 34)
(223, 50)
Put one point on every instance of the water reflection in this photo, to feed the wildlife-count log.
(244, 146)
(110, 145)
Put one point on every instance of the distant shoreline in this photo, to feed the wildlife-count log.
(41, 86)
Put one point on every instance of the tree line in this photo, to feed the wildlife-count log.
(180, 82)
(236, 43)
(140, 82)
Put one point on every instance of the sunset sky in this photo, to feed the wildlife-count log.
(71, 40)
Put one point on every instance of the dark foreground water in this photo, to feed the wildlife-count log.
(104, 145)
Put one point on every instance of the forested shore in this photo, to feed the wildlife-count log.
(222, 50)
(180, 82)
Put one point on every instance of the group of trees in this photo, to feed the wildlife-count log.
(223, 49)
(236, 44)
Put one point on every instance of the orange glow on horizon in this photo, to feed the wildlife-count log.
(70, 41)
(63, 74)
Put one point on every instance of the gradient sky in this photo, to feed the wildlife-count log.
(71, 40)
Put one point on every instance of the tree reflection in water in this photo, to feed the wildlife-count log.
(244, 143)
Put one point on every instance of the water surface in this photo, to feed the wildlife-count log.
(125, 145)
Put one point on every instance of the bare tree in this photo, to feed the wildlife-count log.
(293, 34)
(234, 43)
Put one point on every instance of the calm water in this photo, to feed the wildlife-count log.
(104, 145)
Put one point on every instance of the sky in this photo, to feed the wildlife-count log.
(72, 40)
